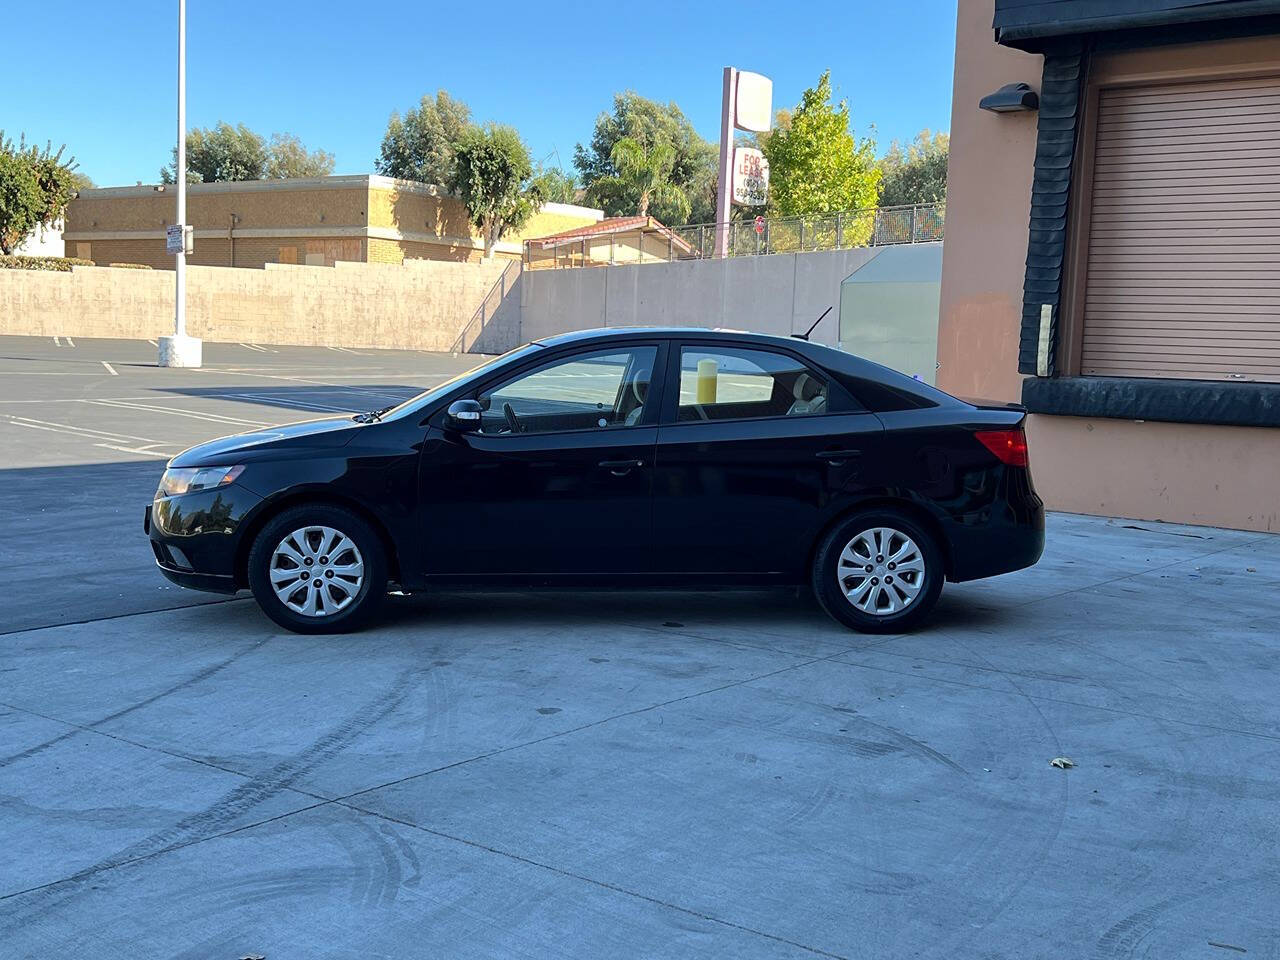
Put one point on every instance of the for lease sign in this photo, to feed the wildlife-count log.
(750, 177)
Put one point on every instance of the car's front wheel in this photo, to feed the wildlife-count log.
(318, 569)
(878, 572)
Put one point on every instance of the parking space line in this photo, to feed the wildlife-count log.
(250, 346)
(57, 341)
(268, 399)
(153, 343)
(86, 432)
(110, 369)
(141, 450)
(71, 342)
(178, 412)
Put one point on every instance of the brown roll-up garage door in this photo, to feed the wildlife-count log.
(1183, 275)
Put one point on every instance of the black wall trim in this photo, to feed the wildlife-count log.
(1029, 23)
(1050, 191)
(1170, 401)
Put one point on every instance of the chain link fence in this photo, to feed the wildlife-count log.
(872, 227)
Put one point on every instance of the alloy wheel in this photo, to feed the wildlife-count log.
(316, 571)
(881, 571)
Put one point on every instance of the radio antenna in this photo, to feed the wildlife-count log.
(805, 335)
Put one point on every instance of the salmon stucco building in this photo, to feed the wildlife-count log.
(1112, 254)
(367, 219)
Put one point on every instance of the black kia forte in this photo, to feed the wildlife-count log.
(629, 457)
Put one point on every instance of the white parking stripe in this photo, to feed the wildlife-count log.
(79, 431)
(153, 343)
(265, 398)
(174, 411)
(141, 450)
(70, 341)
(57, 341)
(110, 369)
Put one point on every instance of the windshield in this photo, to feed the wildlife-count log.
(426, 398)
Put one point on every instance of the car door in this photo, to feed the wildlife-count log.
(558, 478)
(753, 446)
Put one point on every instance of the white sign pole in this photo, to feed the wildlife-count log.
(181, 350)
(724, 185)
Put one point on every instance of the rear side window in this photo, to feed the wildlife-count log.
(732, 383)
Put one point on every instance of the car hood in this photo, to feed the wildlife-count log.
(329, 433)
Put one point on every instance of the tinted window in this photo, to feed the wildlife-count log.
(732, 384)
(593, 391)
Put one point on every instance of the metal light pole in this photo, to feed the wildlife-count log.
(180, 350)
(724, 182)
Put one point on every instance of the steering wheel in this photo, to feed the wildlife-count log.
(512, 420)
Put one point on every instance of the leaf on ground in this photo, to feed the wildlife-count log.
(1062, 763)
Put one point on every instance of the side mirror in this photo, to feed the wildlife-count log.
(463, 416)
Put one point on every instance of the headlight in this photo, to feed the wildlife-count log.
(190, 479)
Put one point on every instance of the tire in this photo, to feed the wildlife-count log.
(884, 599)
(354, 577)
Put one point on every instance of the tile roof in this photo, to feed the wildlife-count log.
(612, 225)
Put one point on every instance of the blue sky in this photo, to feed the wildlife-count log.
(331, 73)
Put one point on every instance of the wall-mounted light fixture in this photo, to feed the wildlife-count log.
(1011, 98)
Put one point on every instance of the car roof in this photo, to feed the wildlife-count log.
(618, 333)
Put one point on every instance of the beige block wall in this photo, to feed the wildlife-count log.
(422, 305)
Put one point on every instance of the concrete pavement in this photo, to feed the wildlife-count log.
(593, 775)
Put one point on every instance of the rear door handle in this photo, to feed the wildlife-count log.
(837, 457)
(620, 468)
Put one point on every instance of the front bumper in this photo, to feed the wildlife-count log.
(195, 537)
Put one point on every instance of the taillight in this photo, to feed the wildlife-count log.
(1009, 445)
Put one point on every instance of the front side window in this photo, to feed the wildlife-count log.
(736, 384)
(596, 391)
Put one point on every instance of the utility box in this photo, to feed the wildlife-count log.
(889, 309)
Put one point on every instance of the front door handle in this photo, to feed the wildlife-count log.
(620, 468)
(837, 457)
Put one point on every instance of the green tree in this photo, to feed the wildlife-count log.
(493, 177)
(816, 165)
(421, 146)
(650, 124)
(556, 186)
(224, 152)
(916, 173)
(35, 188)
(221, 153)
(645, 172)
(289, 159)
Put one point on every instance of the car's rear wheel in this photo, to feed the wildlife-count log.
(318, 569)
(878, 572)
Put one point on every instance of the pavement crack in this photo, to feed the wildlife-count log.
(603, 884)
(199, 677)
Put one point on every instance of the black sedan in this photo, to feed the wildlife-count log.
(645, 457)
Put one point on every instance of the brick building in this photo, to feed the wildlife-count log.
(364, 218)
